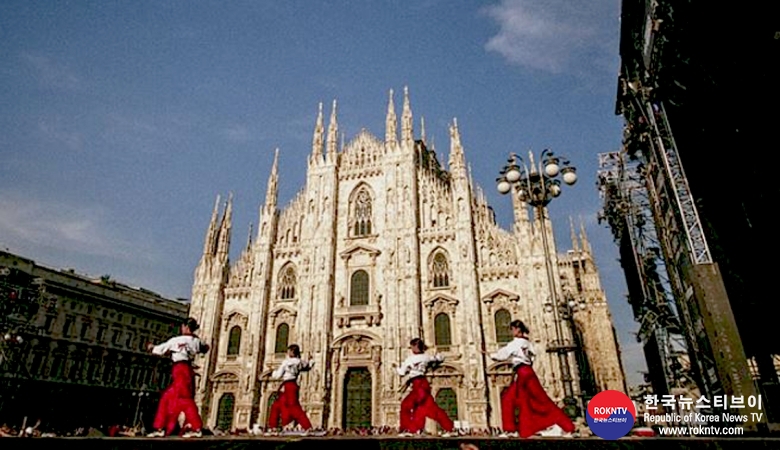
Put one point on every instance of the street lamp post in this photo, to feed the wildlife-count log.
(565, 309)
(537, 187)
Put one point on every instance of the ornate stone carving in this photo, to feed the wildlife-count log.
(235, 318)
(500, 296)
(476, 393)
(441, 303)
(360, 248)
(357, 346)
(282, 315)
(371, 314)
(446, 376)
(500, 374)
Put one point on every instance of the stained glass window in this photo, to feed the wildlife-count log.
(440, 271)
(287, 284)
(362, 214)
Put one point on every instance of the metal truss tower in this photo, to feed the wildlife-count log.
(628, 211)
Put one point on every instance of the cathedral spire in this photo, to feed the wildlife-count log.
(407, 133)
(584, 238)
(249, 237)
(457, 160)
(224, 230)
(333, 129)
(391, 123)
(575, 244)
(318, 139)
(211, 235)
(422, 128)
(271, 192)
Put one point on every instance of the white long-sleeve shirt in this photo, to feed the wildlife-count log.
(417, 364)
(181, 348)
(291, 368)
(518, 351)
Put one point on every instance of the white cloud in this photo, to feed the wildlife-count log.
(237, 133)
(546, 35)
(51, 73)
(74, 228)
(55, 131)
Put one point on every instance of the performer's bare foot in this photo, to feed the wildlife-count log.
(158, 433)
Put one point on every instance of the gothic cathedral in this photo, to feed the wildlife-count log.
(382, 245)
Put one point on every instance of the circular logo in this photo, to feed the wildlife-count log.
(611, 415)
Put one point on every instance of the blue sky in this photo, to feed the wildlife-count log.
(122, 121)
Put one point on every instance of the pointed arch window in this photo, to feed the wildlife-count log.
(358, 288)
(282, 338)
(287, 282)
(234, 342)
(502, 320)
(442, 333)
(361, 210)
(440, 270)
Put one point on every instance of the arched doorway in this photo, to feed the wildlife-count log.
(225, 412)
(357, 398)
(447, 399)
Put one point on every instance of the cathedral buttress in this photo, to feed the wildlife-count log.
(314, 268)
(333, 133)
(208, 297)
(317, 140)
(261, 291)
(391, 125)
(465, 264)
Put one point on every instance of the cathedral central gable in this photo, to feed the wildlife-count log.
(360, 251)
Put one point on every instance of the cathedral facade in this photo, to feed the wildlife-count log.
(382, 245)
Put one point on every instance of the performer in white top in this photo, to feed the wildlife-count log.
(420, 404)
(518, 351)
(537, 410)
(180, 395)
(287, 407)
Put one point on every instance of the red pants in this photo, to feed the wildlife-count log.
(419, 405)
(537, 410)
(287, 408)
(177, 398)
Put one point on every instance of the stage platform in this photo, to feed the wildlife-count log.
(382, 443)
